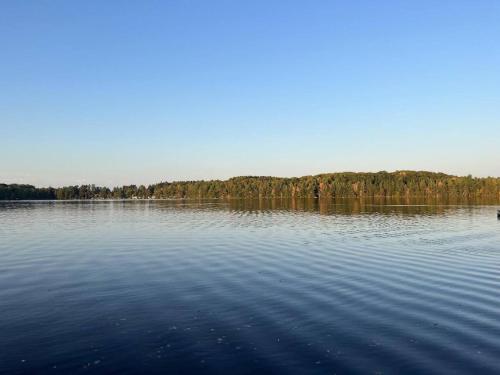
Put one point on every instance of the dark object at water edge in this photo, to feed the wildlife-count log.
(498, 214)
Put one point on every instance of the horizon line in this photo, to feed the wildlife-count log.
(258, 176)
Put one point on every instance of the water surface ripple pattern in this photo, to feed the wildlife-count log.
(214, 287)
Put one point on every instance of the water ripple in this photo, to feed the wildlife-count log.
(248, 287)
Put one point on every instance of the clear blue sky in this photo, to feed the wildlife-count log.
(115, 92)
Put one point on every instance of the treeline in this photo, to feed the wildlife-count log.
(332, 185)
(16, 191)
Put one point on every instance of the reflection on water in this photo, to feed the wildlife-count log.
(258, 286)
(357, 206)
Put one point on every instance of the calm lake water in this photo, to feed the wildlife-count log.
(249, 287)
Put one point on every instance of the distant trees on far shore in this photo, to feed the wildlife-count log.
(332, 185)
(19, 191)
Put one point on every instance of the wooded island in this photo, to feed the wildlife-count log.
(331, 185)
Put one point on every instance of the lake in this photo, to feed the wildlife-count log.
(180, 287)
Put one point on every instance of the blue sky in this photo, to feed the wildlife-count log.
(122, 92)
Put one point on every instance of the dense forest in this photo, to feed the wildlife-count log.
(332, 185)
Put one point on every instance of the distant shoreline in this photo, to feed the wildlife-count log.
(399, 184)
(193, 199)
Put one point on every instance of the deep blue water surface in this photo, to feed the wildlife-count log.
(233, 288)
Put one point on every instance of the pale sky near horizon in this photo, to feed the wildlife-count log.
(122, 92)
